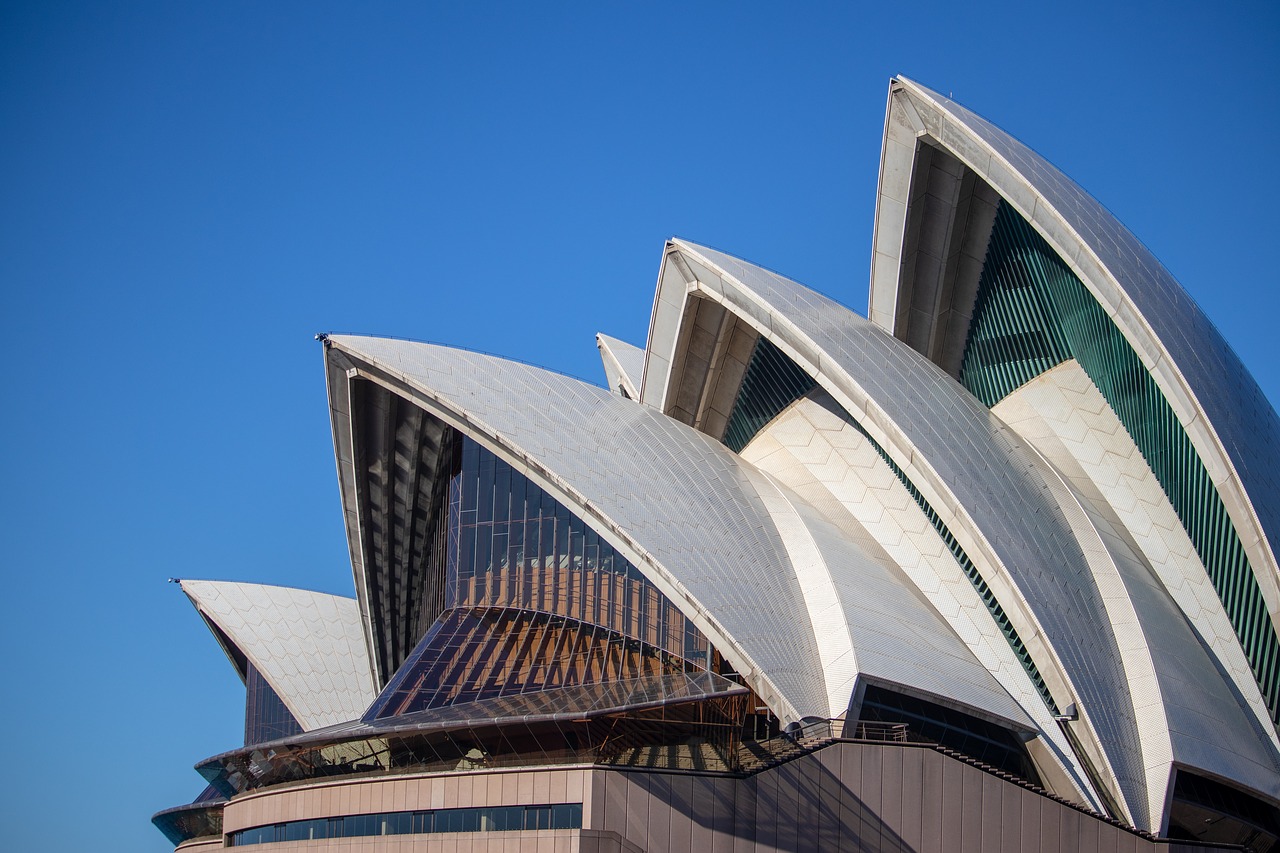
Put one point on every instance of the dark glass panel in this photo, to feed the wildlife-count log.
(568, 816)
(533, 605)
(265, 716)
(977, 738)
(305, 830)
(538, 817)
(1210, 811)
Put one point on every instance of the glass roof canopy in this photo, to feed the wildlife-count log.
(589, 723)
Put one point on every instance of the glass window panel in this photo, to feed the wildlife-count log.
(306, 830)
(568, 816)
(557, 564)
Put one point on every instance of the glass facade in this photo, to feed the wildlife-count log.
(265, 716)
(1033, 313)
(197, 820)
(1206, 810)
(535, 600)
(693, 720)
(491, 819)
(976, 738)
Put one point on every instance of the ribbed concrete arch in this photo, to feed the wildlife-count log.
(1064, 416)
(1201, 704)
(975, 472)
(1231, 424)
(1187, 714)
(708, 544)
(833, 466)
(870, 621)
(309, 646)
(1190, 715)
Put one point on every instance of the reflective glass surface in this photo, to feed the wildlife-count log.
(402, 460)
(265, 715)
(1207, 810)
(489, 819)
(196, 820)
(694, 719)
(979, 739)
(535, 600)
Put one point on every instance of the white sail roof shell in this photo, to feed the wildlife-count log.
(1025, 526)
(309, 646)
(1234, 428)
(623, 365)
(780, 592)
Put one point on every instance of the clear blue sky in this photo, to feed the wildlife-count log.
(188, 192)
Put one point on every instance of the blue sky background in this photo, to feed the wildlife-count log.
(188, 192)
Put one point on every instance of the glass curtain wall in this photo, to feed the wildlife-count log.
(265, 716)
(535, 599)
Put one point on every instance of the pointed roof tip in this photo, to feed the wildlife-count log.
(923, 89)
(603, 339)
(700, 248)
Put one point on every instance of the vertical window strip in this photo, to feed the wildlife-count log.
(1029, 304)
(770, 384)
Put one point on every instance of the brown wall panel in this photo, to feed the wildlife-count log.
(1050, 829)
(680, 829)
(702, 813)
(1011, 797)
(952, 806)
(766, 815)
(635, 822)
(747, 803)
(660, 808)
(848, 796)
(890, 812)
(870, 795)
(992, 828)
(913, 809)
(724, 798)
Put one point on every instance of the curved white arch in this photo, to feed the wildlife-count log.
(623, 365)
(578, 442)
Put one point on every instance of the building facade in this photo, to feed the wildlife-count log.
(992, 568)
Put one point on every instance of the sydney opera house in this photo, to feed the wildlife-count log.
(993, 568)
